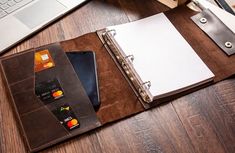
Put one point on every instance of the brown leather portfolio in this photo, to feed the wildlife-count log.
(40, 125)
(40, 115)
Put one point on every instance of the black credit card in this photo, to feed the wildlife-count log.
(66, 117)
(49, 91)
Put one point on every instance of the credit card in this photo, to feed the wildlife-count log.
(66, 117)
(49, 91)
(43, 60)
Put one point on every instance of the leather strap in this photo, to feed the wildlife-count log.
(216, 30)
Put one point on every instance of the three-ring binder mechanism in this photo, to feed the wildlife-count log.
(125, 61)
(156, 70)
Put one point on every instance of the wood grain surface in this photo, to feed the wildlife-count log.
(201, 122)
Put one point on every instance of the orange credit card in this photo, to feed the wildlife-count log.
(43, 60)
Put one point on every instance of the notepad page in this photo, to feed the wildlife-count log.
(161, 55)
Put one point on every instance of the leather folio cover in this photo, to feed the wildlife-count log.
(40, 127)
(117, 97)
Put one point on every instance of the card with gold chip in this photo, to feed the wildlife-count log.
(43, 60)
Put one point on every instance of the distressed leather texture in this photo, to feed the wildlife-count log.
(40, 126)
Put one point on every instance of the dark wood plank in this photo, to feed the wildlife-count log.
(98, 14)
(173, 127)
(87, 143)
(137, 9)
(208, 117)
(157, 130)
(137, 134)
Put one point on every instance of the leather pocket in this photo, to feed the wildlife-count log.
(41, 126)
(19, 67)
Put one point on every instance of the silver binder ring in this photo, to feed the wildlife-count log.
(143, 92)
(106, 40)
(147, 84)
(131, 57)
(112, 32)
(124, 64)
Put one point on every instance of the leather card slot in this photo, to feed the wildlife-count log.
(19, 68)
(22, 86)
(42, 127)
(26, 102)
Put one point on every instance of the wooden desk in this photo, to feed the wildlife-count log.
(203, 121)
